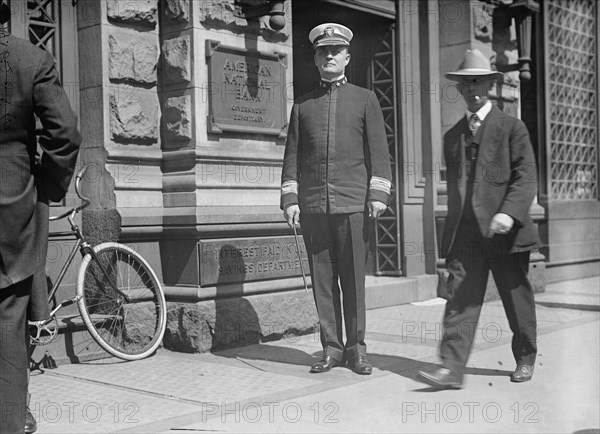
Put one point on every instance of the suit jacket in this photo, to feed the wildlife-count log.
(32, 88)
(336, 151)
(505, 179)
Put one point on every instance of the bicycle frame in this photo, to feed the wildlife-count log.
(103, 297)
(81, 245)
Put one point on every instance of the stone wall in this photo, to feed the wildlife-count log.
(230, 322)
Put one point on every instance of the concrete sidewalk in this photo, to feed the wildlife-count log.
(267, 387)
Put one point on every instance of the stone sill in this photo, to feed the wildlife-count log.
(185, 216)
(380, 291)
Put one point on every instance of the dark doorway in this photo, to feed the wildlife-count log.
(308, 14)
(371, 66)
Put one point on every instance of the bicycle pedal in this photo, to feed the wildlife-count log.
(44, 332)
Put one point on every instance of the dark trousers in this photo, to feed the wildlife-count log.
(469, 261)
(337, 248)
(13, 356)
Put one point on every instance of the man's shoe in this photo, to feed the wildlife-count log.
(442, 378)
(522, 374)
(360, 365)
(325, 364)
(30, 423)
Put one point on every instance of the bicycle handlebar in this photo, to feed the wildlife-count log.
(78, 179)
(85, 201)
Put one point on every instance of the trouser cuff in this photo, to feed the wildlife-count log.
(336, 353)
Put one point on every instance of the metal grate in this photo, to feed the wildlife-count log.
(43, 19)
(387, 227)
(573, 94)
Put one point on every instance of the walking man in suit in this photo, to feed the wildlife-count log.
(29, 87)
(336, 172)
(492, 181)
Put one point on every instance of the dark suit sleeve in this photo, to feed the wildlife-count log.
(59, 137)
(379, 156)
(290, 176)
(523, 180)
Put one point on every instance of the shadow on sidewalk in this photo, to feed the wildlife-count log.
(236, 322)
(409, 368)
(272, 353)
(575, 306)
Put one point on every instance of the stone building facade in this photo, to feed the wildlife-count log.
(183, 107)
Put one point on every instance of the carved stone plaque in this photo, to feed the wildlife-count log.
(248, 259)
(246, 90)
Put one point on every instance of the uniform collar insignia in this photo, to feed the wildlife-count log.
(336, 83)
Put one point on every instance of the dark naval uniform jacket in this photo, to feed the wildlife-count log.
(31, 87)
(336, 157)
(504, 179)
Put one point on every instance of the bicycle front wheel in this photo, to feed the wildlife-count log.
(121, 301)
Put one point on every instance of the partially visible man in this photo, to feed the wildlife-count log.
(336, 169)
(30, 88)
(492, 181)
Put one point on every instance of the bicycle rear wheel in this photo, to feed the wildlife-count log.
(121, 301)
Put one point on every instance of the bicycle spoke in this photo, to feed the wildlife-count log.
(123, 298)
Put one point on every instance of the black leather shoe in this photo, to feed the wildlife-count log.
(30, 423)
(325, 364)
(360, 365)
(522, 374)
(442, 378)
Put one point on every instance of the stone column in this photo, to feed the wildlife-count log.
(179, 101)
(118, 51)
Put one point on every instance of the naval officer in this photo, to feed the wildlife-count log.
(336, 174)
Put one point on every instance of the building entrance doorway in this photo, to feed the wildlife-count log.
(372, 65)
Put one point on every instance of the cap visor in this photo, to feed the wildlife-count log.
(332, 42)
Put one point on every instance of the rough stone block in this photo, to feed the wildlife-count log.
(231, 322)
(130, 123)
(241, 18)
(177, 10)
(134, 60)
(101, 225)
(177, 117)
(140, 12)
(223, 12)
(98, 184)
(176, 54)
(482, 23)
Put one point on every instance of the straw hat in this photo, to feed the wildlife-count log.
(474, 64)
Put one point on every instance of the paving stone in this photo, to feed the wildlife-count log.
(67, 405)
(189, 380)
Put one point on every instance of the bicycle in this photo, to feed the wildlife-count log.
(118, 294)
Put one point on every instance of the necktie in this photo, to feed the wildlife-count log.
(474, 124)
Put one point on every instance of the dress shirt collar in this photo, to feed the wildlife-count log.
(482, 112)
(339, 77)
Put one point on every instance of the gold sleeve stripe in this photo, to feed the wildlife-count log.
(381, 184)
(289, 187)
